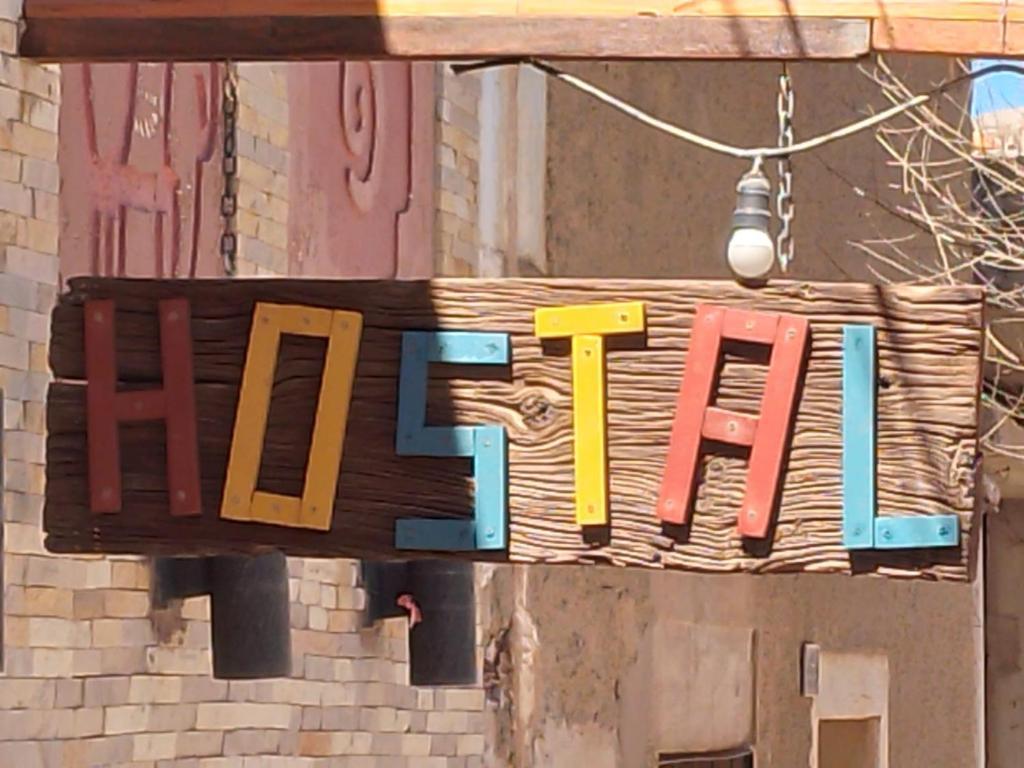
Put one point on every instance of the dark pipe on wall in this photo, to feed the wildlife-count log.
(250, 620)
(251, 635)
(384, 581)
(442, 646)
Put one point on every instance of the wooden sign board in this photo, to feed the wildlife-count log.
(205, 30)
(691, 425)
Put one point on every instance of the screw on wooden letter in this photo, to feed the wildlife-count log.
(316, 506)
(861, 529)
(588, 325)
(767, 434)
(487, 445)
(174, 403)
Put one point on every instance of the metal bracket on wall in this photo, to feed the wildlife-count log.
(810, 668)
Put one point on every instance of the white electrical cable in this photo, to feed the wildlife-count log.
(728, 149)
(741, 152)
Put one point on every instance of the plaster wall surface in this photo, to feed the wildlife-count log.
(626, 200)
(600, 685)
(1004, 620)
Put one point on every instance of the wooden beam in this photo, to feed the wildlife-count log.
(365, 37)
(69, 30)
(972, 10)
(975, 38)
(929, 349)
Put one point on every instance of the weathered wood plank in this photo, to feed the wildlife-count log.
(216, 9)
(262, 38)
(929, 343)
(191, 30)
(972, 37)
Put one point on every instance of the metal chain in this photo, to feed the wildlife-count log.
(784, 205)
(229, 200)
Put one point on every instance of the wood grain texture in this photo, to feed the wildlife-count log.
(929, 343)
(976, 38)
(262, 38)
(216, 9)
(197, 30)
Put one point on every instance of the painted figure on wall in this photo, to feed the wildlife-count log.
(139, 154)
(361, 169)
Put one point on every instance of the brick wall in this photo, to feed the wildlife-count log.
(262, 219)
(491, 165)
(93, 675)
(458, 158)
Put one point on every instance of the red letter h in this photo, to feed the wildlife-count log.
(174, 404)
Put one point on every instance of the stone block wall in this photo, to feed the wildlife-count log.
(458, 160)
(492, 167)
(95, 677)
(262, 183)
(29, 183)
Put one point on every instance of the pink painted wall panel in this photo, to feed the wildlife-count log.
(361, 169)
(140, 151)
(140, 160)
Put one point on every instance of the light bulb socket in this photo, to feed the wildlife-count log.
(753, 202)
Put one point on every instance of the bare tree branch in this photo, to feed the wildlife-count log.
(971, 206)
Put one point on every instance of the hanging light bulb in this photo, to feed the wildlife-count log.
(751, 252)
